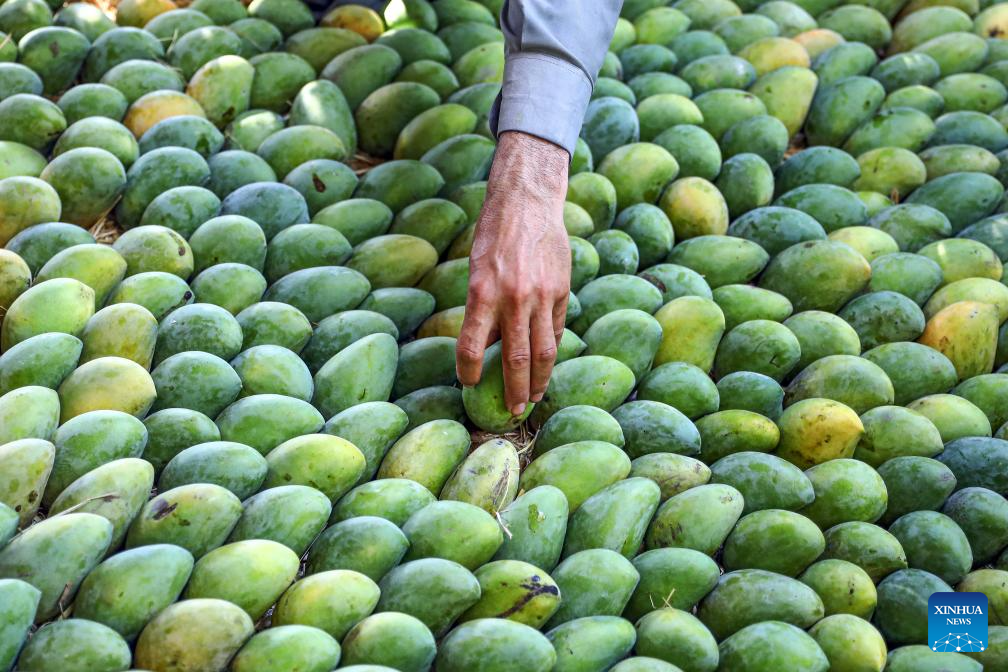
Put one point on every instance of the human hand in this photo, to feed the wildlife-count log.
(519, 269)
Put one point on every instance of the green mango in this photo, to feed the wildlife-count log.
(671, 634)
(122, 330)
(921, 657)
(915, 370)
(365, 544)
(935, 543)
(843, 587)
(407, 307)
(870, 547)
(682, 386)
(672, 472)
(765, 481)
(558, 467)
(18, 613)
(336, 332)
(310, 601)
(980, 513)
(272, 369)
(115, 490)
(692, 327)
(591, 642)
(655, 427)
(198, 381)
(152, 576)
(81, 540)
(955, 417)
(775, 540)
(341, 382)
(753, 392)
(488, 478)
(577, 423)
(59, 305)
(271, 323)
(748, 596)
(777, 228)
(394, 499)
(516, 591)
(963, 197)
(850, 642)
(434, 590)
(372, 427)
(266, 569)
(386, 639)
(742, 303)
(427, 454)
(234, 466)
(495, 645)
(763, 346)
(197, 517)
(432, 532)
(720, 259)
(214, 631)
(264, 421)
(107, 383)
(845, 490)
(892, 431)
(772, 645)
(907, 589)
(915, 483)
(75, 644)
(537, 522)
(615, 518)
(854, 381)
(289, 647)
(746, 181)
(699, 518)
(630, 336)
(670, 577)
(817, 165)
(593, 380)
(595, 582)
(292, 515)
(29, 413)
(787, 93)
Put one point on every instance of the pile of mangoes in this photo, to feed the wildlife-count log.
(231, 432)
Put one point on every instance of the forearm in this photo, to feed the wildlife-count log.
(554, 49)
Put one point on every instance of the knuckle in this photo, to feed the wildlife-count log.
(467, 351)
(546, 353)
(518, 359)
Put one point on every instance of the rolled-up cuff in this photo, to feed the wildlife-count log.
(543, 96)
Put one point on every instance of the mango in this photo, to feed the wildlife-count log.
(747, 596)
(75, 644)
(868, 546)
(765, 481)
(980, 513)
(843, 587)
(434, 590)
(955, 417)
(537, 523)
(578, 579)
(699, 518)
(29, 413)
(427, 454)
(834, 433)
(197, 517)
(388, 639)
(365, 544)
(905, 589)
(616, 518)
(915, 483)
(214, 630)
(488, 478)
(771, 645)
(290, 647)
(591, 640)
(82, 539)
(966, 333)
(20, 602)
(292, 515)
(395, 499)
(30, 463)
(491, 644)
(764, 346)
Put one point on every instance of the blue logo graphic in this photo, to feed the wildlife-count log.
(957, 622)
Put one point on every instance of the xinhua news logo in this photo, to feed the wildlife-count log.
(957, 622)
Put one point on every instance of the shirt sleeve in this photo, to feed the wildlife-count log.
(553, 52)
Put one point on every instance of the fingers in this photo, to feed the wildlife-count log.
(544, 350)
(516, 358)
(560, 317)
(478, 331)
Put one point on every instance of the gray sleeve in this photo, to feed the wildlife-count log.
(553, 52)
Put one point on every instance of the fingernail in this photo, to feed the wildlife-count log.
(518, 409)
(536, 398)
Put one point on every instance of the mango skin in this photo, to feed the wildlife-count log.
(772, 645)
(327, 463)
(591, 642)
(369, 545)
(566, 468)
(292, 515)
(581, 578)
(779, 541)
(58, 305)
(43, 360)
(427, 454)
(692, 327)
(197, 517)
(537, 521)
(490, 644)
(389, 639)
(312, 601)
(20, 600)
(152, 576)
(75, 644)
(672, 634)
(434, 590)
(193, 634)
(55, 555)
(266, 569)
(616, 518)
(699, 518)
(29, 413)
(749, 596)
(434, 531)
(485, 403)
(843, 587)
(868, 546)
(816, 430)
(966, 333)
(394, 499)
(516, 591)
(488, 478)
(288, 647)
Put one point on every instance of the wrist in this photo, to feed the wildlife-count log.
(533, 165)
